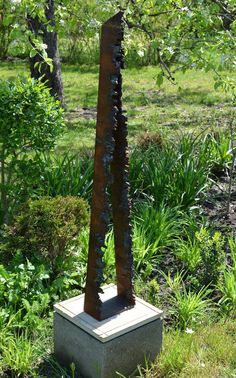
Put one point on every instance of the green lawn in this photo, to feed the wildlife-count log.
(190, 105)
(209, 352)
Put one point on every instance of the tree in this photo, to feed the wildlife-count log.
(7, 26)
(39, 64)
(186, 34)
(183, 33)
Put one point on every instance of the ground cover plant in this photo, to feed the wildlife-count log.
(183, 236)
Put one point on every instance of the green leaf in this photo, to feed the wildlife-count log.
(159, 79)
(33, 52)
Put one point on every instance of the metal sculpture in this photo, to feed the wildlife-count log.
(110, 181)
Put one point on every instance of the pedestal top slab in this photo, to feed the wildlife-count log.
(105, 330)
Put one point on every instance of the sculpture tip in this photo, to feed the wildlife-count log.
(116, 19)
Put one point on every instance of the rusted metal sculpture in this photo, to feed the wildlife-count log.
(110, 172)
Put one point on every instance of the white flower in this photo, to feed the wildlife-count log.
(189, 331)
(140, 53)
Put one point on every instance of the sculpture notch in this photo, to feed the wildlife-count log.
(110, 171)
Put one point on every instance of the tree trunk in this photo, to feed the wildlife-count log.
(53, 78)
(4, 32)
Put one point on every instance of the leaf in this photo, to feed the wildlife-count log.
(7, 20)
(217, 85)
(159, 79)
(33, 52)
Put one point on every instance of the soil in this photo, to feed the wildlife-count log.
(84, 112)
(215, 206)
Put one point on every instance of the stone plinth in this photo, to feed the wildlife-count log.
(99, 349)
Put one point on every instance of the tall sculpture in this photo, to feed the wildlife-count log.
(110, 182)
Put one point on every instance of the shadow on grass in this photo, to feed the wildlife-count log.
(50, 368)
(184, 96)
(189, 96)
(79, 68)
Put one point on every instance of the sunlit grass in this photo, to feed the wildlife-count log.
(208, 352)
(190, 105)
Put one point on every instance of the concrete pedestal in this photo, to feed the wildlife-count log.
(99, 349)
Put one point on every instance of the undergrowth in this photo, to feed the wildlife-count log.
(182, 263)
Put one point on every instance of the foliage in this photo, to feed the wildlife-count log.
(187, 307)
(175, 175)
(227, 287)
(148, 139)
(227, 282)
(187, 34)
(189, 252)
(212, 257)
(149, 292)
(65, 175)
(19, 353)
(5, 28)
(175, 36)
(219, 149)
(30, 118)
(25, 282)
(47, 230)
(145, 254)
(30, 122)
(155, 233)
(203, 256)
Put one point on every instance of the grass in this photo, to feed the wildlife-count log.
(192, 104)
(209, 352)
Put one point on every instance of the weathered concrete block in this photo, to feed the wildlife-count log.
(99, 349)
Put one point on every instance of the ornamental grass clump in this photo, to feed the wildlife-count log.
(188, 308)
(66, 175)
(174, 175)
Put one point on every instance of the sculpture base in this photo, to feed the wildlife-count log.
(99, 349)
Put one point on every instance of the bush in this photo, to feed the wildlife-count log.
(211, 257)
(47, 230)
(203, 256)
(148, 140)
(30, 122)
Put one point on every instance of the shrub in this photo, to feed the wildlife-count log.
(211, 257)
(203, 256)
(147, 140)
(48, 229)
(147, 290)
(30, 122)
